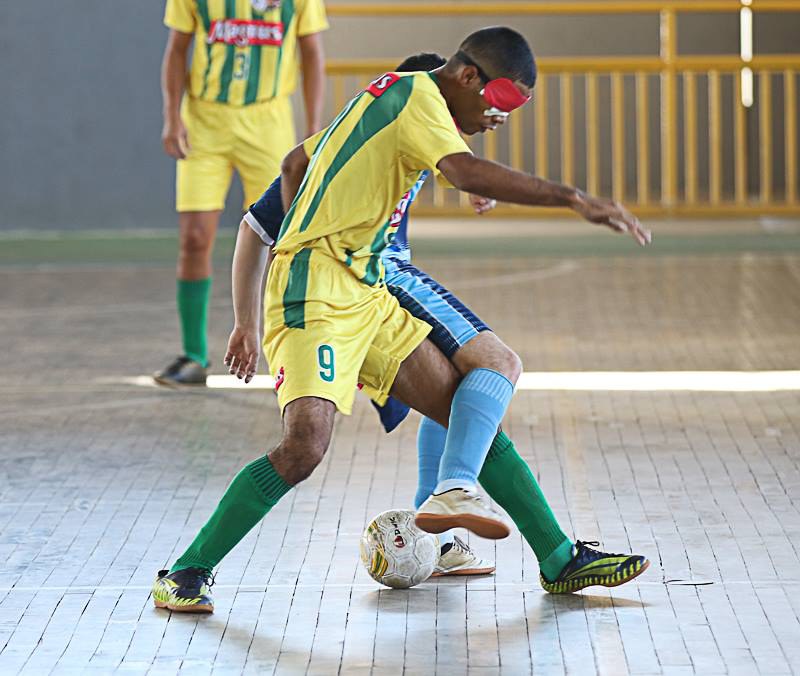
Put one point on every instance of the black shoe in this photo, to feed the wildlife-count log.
(184, 591)
(592, 567)
(182, 371)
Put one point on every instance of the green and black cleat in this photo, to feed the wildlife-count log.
(182, 370)
(589, 567)
(184, 591)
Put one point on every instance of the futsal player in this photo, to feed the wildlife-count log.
(230, 110)
(331, 323)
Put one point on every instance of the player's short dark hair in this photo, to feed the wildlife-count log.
(424, 61)
(500, 52)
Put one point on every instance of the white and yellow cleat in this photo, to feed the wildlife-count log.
(460, 508)
(184, 591)
(458, 559)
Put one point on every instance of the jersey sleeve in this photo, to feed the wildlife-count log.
(312, 18)
(266, 216)
(428, 133)
(179, 15)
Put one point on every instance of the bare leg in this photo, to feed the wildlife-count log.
(426, 382)
(307, 429)
(197, 232)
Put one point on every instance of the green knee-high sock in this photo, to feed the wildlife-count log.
(507, 478)
(193, 300)
(252, 493)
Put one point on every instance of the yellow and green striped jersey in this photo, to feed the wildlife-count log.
(362, 165)
(245, 51)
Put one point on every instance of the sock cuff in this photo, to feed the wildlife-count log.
(489, 382)
(501, 444)
(194, 286)
(267, 481)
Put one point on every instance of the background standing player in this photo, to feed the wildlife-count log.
(235, 114)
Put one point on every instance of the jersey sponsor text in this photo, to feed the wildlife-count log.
(246, 32)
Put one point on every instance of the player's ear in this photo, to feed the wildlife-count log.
(468, 76)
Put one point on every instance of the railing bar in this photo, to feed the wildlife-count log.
(714, 138)
(617, 137)
(567, 129)
(360, 9)
(739, 144)
(541, 127)
(690, 126)
(515, 141)
(642, 139)
(765, 134)
(592, 141)
(790, 120)
(668, 52)
(598, 64)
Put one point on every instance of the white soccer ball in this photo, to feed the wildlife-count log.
(395, 552)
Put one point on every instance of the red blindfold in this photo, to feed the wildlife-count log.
(503, 95)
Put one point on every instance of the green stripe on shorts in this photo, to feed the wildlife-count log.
(294, 298)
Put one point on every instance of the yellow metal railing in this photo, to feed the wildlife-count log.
(688, 85)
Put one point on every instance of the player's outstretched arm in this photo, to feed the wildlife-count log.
(490, 179)
(250, 260)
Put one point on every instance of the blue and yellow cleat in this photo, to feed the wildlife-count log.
(590, 567)
(184, 591)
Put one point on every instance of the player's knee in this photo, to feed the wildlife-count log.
(513, 366)
(195, 241)
(303, 451)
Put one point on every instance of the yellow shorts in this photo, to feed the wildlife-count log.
(326, 333)
(252, 139)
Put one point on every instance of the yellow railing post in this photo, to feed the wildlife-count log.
(515, 141)
(690, 130)
(617, 137)
(592, 141)
(642, 139)
(541, 127)
(567, 129)
(790, 120)
(765, 134)
(739, 144)
(714, 138)
(668, 52)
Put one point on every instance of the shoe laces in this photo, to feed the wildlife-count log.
(586, 548)
(460, 545)
(201, 576)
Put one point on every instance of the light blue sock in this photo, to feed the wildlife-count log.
(479, 405)
(430, 446)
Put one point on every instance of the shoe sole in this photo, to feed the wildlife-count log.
(604, 584)
(490, 529)
(465, 571)
(184, 609)
(166, 382)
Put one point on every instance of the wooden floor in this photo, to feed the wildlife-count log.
(102, 483)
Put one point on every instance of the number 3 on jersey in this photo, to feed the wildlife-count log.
(325, 359)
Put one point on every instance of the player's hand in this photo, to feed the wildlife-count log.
(242, 355)
(175, 139)
(482, 204)
(612, 214)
